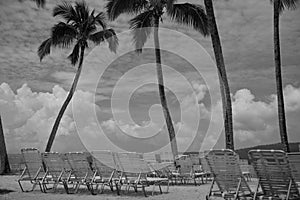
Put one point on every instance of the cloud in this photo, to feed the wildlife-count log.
(28, 118)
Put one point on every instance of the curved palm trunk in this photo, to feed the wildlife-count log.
(161, 89)
(4, 165)
(66, 103)
(224, 86)
(280, 104)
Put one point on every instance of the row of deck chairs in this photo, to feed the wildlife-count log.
(277, 173)
(95, 171)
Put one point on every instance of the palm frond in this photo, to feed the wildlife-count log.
(73, 57)
(112, 39)
(141, 27)
(97, 38)
(66, 11)
(191, 15)
(44, 48)
(40, 3)
(116, 7)
(100, 19)
(286, 4)
(63, 35)
(82, 11)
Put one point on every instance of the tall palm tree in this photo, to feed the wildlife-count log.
(224, 86)
(278, 7)
(4, 165)
(79, 28)
(149, 15)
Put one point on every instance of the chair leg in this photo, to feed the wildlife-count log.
(21, 186)
(143, 188)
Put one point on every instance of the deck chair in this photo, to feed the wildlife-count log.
(245, 168)
(205, 169)
(294, 160)
(227, 175)
(16, 163)
(104, 164)
(81, 171)
(57, 172)
(186, 171)
(33, 171)
(274, 174)
(134, 173)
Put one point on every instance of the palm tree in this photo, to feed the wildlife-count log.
(224, 86)
(80, 27)
(4, 165)
(278, 7)
(149, 14)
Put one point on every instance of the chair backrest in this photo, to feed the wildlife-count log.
(54, 163)
(273, 170)
(294, 160)
(16, 162)
(204, 165)
(33, 161)
(225, 168)
(244, 166)
(185, 165)
(80, 164)
(104, 162)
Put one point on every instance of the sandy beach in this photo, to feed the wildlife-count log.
(9, 189)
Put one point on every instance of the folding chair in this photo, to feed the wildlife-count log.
(245, 168)
(33, 171)
(81, 171)
(104, 164)
(227, 175)
(56, 171)
(16, 163)
(274, 174)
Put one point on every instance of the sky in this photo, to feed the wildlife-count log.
(116, 105)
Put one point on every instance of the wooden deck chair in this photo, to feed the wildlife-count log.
(56, 171)
(33, 171)
(227, 175)
(294, 160)
(104, 163)
(274, 174)
(81, 171)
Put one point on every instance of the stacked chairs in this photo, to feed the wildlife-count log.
(57, 171)
(275, 177)
(227, 175)
(104, 164)
(34, 170)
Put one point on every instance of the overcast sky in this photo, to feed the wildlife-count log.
(31, 92)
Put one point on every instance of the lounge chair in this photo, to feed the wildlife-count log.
(134, 173)
(56, 171)
(33, 171)
(245, 168)
(104, 163)
(294, 160)
(227, 175)
(81, 171)
(186, 171)
(274, 174)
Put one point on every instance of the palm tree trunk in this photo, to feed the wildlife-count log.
(4, 165)
(224, 86)
(66, 103)
(161, 89)
(280, 104)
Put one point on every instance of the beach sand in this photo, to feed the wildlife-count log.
(9, 189)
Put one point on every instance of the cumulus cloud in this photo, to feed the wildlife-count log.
(28, 118)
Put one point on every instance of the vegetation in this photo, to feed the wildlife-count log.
(80, 26)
